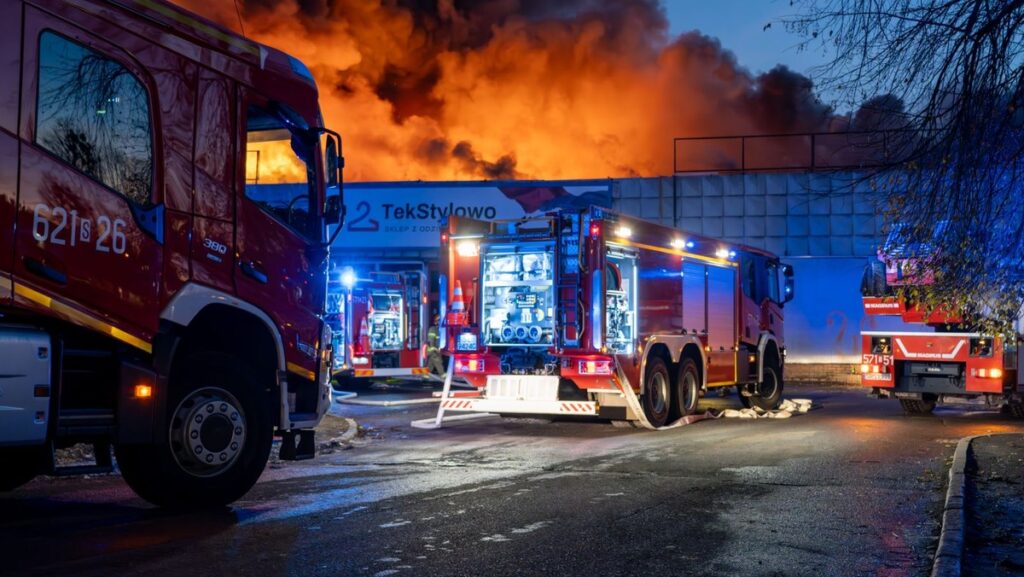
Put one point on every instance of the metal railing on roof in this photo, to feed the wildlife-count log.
(809, 151)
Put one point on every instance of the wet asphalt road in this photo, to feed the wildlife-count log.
(852, 488)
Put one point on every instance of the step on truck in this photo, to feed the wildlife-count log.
(379, 325)
(156, 298)
(589, 312)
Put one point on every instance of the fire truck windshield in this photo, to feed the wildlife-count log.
(280, 171)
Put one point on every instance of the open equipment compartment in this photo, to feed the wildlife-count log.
(386, 320)
(518, 294)
(620, 299)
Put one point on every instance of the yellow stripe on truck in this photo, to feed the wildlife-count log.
(80, 317)
(301, 371)
(200, 26)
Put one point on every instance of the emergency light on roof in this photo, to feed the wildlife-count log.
(724, 253)
(678, 243)
(623, 232)
(348, 278)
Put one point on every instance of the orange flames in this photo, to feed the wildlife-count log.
(527, 89)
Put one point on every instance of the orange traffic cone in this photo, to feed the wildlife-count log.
(457, 312)
(364, 336)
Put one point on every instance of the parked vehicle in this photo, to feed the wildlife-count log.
(379, 327)
(947, 362)
(155, 295)
(590, 312)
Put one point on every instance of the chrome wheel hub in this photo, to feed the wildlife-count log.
(208, 432)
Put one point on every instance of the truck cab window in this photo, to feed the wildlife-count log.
(774, 272)
(93, 114)
(748, 278)
(280, 171)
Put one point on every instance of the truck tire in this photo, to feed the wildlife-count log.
(917, 407)
(744, 400)
(1016, 409)
(657, 397)
(770, 390)
(20, 465)
(687, 393)
(220, 429)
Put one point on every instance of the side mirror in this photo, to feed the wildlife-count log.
(334, 211)
(334, 205)
(788, 292)
(334, 162)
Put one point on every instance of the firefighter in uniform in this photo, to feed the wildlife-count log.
(434, 361)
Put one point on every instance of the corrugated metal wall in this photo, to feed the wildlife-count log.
(788, 214)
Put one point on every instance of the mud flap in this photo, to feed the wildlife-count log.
(304, 448)
(633, 402)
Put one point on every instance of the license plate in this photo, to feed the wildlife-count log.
(523, 387)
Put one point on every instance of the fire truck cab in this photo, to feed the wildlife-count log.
(594, 313)
(950, 363)
(155, 297)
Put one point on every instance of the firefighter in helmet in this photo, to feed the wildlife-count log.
(434, 360)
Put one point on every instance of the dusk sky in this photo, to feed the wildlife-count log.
(739, 25)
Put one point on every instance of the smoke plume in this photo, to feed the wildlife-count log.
(471, 89)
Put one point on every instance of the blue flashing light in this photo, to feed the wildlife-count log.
(690, 244)
(348, 278)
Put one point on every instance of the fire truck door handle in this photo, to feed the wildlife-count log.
(49, 273)
(251, 270)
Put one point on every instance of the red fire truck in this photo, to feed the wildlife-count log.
(951, 364)
(380, 326)
(590, 312)
(155, 297)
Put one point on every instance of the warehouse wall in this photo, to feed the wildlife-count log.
(826, 226)
(788, 214)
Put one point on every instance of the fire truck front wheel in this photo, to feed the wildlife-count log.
(657, 392)
(220, 430)
(1016, 408)
(923, 406)
(770, 390)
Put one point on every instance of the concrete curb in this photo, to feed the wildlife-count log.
(398, 403)
(950, 551)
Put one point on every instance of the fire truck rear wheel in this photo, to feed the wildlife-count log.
(657, 397)
(20, 465)
(220, 429)
(917, 406)
(770, 394)
(684, 402)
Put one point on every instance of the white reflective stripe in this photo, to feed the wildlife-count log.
(940, 356)
(521, 407)
(916, 334)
